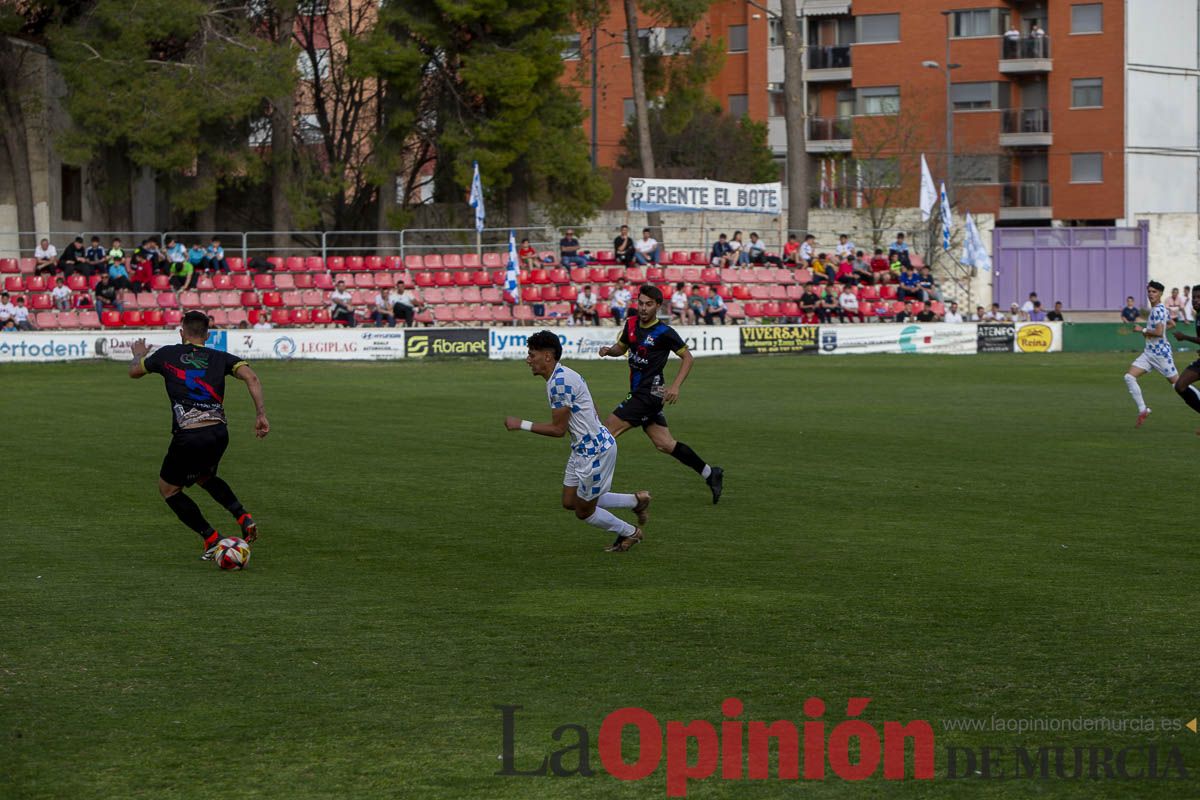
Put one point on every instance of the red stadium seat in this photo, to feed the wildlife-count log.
(383, 279)
(204, 283)
(363, 280)
(560, 276)
(471, 295)
(635, 275)
(276, 263)
(14, 283)
(502, 315)
(531, 294)
(548, 257)
(294, 263)
(580, 274)
(481, 278)
(414, 262)
(299, 316)
(596, 274)
(655, 274)
(77, 283)
(523, 313)
(491, 295)
(189, 299)
(373, 262)
(172, 317)
(285, 281)
(312, 298)
(434, 295)
(604, 310)
(888, 292)
(463, 278)
(235, 263)
(230, 299)
(110, 319)
(220, 281)
(153, 318)
(27, 265)
(8, 265)
(605, 292)
(463, 314)
(741, 293)
(210, 300)
(606, 256)
(442, 278)
(672, 275)
(481, 314)
(789, 309)
(269, 299)
(423, 279)
(166, 300)
(539, 276)
(499, 278)
(250, 300)
(302, 281)
(36, 283)
(264, 281)
(568, 293)
(777, 292)
(698, 258)
(614, 274)
(280, 316)
(40, 302)
(434, 261)
(243, 282)
(354, 263)
(314, 264)
(551, 294)
(320, 316)
(336, 264)
(492, 260)
(220, 317)
(323, 280)
(471, 261)
(678, 258)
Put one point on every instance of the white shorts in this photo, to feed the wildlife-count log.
(591, 475)
(1163, 365)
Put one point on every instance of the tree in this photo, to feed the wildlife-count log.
(794, 117)
(711, 145)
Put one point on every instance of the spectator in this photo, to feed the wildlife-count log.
(906, 314)
(214, 257)
(1012, 39)
(263, 323)
(94, 259)
(8, 326)
(646, 249)
(756, 252)
(383, 311)
(845, 248)
(719, 255)
(1056, 315)
(21, 316)
(149, 252)
(1189, 314)
(929, 287)
(141, 273)
(7, 309)
(259, 264)
(106, 295)
(811, 309)
(623, 249)
(568, 248)
(737, 253)
(115, 253)
(910, 285)
(830, 297)
(696, 304)
(46, 257)
(1037, 314)
(405, 304)
(1015, 314)
(879, 267)
(821, 271)
(527, 255)
(848, 301)
(808, 249)
(898, 251)
(176, 252)
(118, 274)
(72, 256)
(714, 306)
(340, 308)
(196, 256)
(1174, 305)
(994, 314)
(1130, 312)
(1027, 306)
(1036, 32)
(980, 315)
(927, 314)
(679, 301)
(862, 269)
(952, 315)
(791, 250)
(585, 307)
(61, 294)
(845, 271)
(184, 275)
(621, 298)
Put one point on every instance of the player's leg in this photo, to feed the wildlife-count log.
(213, 441)
(1137, 369)
(593, 478)
(182, 461)
(189, 514)
(616, 426)
(1185, 389)
(639, 502)
(660, 434)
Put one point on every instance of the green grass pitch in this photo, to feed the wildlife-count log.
(953, 537)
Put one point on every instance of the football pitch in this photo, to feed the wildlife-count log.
(967, 541)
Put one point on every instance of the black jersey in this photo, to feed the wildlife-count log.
(649, 350)
(195, 381)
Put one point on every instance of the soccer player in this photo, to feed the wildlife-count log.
(195, 380)
(650, 343)
(1157, 355)
(1183, 385)
(593, 460)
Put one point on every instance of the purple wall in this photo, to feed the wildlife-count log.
(1088, 269)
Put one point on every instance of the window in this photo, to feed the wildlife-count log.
(312, 8)
(879, 100)
(1087, 168)
(739, 105)
(1087, 18)
(643, 41)
(1087, 92)
(570, 47)
(309, 129)
(738, 41)
(774, 32)
(778, 99)
(979, 22)
(974, 96)
(675, 40)
(311, 66)
(878, 173)
(260, 132)
(72, 193)
(878, 28)
(629, 109)
(970, 169)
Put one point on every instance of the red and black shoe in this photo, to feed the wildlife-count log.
(249, 529)
(210, 546)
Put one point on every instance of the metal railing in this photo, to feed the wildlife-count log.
(1025, 120)
(823, 129)
(829, 56)
(1025, 194)
(1025, 47)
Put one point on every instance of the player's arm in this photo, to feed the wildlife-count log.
(556, 428)
(685, 356)
(243, 373)
(616, 350)
(140, 350)
(1183, 337)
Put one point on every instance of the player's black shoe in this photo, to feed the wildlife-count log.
(249, 529)
(715, 481)
(625, 543)
(210, 552)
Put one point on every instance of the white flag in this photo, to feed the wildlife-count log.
(946, 221)
(476, 200)
(512, 275)
(974, 253)
(928, 193)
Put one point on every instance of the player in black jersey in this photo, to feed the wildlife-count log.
(1192, 373)
(194, 376)
(649, 344)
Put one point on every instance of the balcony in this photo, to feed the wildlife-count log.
(1026, 127)
(1028, 200)
(830, 135)
(1026, 55)
(830, 63)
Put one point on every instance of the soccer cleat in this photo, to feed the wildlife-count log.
(625, 543)
(715, 481)
(1142, 418)
(642, 509)
(249, 529)
(210, 553)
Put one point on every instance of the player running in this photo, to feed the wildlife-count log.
(194, 376)
(593, 460)
(1157, 356)
(650, 344)
(1191, 374)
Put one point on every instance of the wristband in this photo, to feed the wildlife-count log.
(526, 425)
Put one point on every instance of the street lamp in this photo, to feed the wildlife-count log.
(949, 104)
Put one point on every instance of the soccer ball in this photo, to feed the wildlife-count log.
(232, 553)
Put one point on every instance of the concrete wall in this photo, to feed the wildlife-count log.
(1173, 248)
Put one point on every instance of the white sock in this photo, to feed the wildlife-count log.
(1135, 391)
(1194, 389)
(617, 500)
(602, 519)
(704, 473)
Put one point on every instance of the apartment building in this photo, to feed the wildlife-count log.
(1063, 111)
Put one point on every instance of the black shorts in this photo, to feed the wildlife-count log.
(194, 454)
(641, 409)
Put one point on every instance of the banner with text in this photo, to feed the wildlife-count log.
(667, 194)
(585, 343)
(928, 337)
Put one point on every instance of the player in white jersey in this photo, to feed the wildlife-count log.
(593, 459)
(1157, 356)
